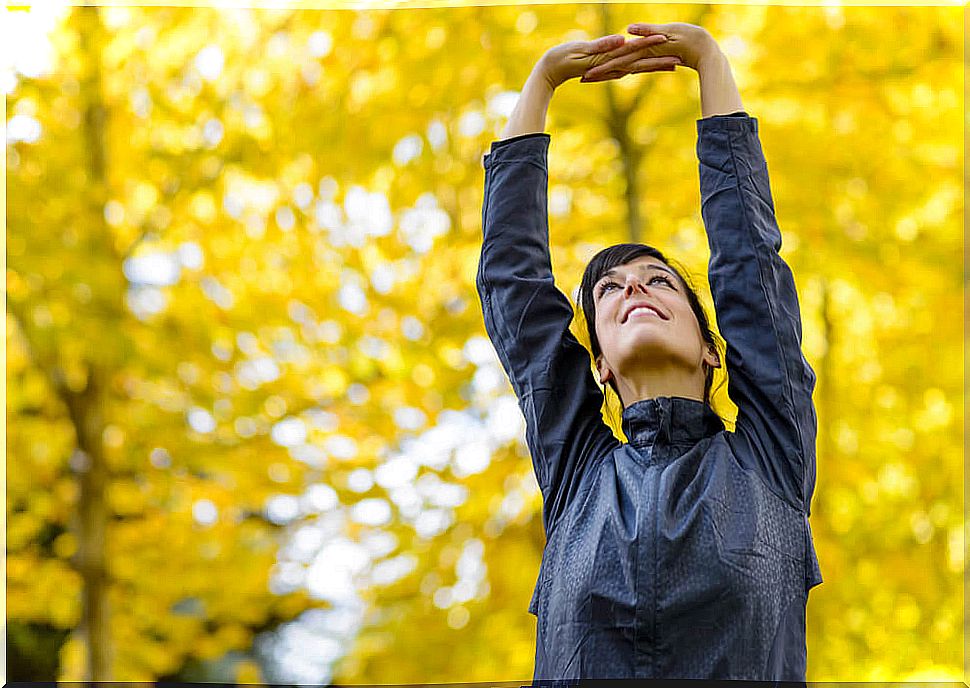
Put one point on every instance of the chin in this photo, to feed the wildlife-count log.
(646, 340)
(647, 350)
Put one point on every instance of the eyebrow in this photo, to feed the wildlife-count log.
(612, 272)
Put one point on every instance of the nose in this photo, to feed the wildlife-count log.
(633, 282)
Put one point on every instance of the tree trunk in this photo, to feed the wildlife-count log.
(85, 407)
(91, 523)
(617, 123)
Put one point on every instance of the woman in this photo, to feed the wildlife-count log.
(685, 552)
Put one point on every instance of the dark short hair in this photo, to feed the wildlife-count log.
(621, 254)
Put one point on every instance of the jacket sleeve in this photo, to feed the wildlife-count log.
(757, 310)
(527, 319)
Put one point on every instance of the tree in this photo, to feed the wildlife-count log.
(248, 377)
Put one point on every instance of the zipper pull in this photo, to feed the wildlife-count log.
(663, 429)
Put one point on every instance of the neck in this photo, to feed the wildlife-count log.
(663, 382)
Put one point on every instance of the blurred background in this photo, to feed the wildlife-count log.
(255, 430)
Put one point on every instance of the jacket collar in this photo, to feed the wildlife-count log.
(669, 420)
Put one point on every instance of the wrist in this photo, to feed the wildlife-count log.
(711, 57)
(542, 77)
(529, 114)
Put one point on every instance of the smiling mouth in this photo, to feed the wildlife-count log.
(646, 311)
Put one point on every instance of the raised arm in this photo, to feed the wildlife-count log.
(753, 288)
(754, 294)
(526, 317)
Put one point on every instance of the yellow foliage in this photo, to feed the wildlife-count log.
(212, 267)
(248, 672)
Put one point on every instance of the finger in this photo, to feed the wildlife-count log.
(646, 64)
(641, 29)
(636, 44)
(603, 69)
(612, 67)
(605, 43)
(602, 76)
(652, 64)
(635, 49)
(627, 65)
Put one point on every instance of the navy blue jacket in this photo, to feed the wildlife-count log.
(685, 552)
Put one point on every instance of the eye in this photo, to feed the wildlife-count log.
(662, 278)
(606, 285)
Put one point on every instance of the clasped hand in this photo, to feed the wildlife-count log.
(658, 48)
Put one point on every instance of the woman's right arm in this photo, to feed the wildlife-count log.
(527, 319)
(526, 316)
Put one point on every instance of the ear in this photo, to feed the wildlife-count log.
(605, 373)
(711, 357)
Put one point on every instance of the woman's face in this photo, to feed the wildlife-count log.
(644, 321)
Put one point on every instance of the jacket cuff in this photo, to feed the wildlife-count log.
(735, 122)
(729, 145)
(523, 147)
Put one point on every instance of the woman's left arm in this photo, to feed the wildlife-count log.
(754, 295)
(753, 288)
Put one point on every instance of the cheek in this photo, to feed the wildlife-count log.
(690, 330)
(601, 322)
(605, 333)
(601, 333)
